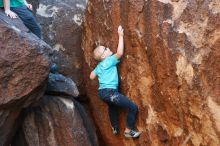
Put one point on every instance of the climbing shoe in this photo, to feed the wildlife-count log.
(132, 134)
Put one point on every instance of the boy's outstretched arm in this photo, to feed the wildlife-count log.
(92, 75)
(120, 49)
(8, 12)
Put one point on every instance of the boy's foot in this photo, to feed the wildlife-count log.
(115, 131)
(132, 133)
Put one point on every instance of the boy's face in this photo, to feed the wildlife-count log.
(104, 52)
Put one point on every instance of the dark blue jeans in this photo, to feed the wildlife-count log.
(116, 100)
(28, 19)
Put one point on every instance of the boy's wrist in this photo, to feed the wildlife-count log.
(7, 11)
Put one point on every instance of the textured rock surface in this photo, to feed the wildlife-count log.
(24, 67)
(56, 122)
(9, 124)
(170, 68)
(61, 23)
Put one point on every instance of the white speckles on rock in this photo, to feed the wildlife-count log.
(178, 7)
(80, 6)
(178, 132)
(16, 29)
(59, 47)
(51, 137)
(215, 110)
(47, 11)
(199, 56)
(152, 116)
(194, 32)
(69, 103)
(78, 19)
(214, 6)
(164, 1)
(138, 32)
(169, 21)
(184, 70)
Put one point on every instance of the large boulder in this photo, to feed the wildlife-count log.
(24, 67)
(23, 61)
(56, 121)
(61, 23)
(170, 68)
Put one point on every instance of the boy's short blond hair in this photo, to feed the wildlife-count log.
(96, 54)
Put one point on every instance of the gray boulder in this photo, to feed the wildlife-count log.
(61, 85)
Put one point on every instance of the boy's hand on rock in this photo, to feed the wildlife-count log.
(120, 31)
(10, 14)
(29, 6)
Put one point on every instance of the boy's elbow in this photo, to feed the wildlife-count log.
(92, 76)
(119, 55)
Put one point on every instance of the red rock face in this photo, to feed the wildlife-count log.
(170, 68)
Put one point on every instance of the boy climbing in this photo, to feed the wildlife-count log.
(107, 74)
(21, 8)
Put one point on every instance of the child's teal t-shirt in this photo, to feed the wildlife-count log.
(13, 3)
(107, 73)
